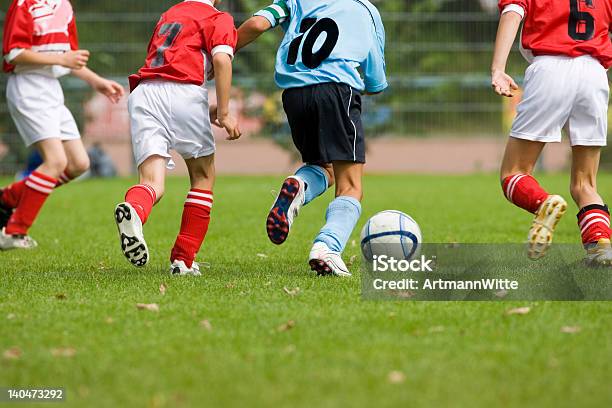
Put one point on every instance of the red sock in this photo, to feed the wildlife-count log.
(594, 223)
(37, 188)
(524, 191)
(142, 197)
(194, 225)
(11, 194)
(64, 178)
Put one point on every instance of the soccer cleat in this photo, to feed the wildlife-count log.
(599, 254)
(326, 262)
(285, 209)
(546, 219)
(16, 241)
(179, 268)
(131, 237)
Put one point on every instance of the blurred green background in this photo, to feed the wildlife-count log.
(438, 57)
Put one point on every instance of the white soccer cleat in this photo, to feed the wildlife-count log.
(179, 268)
(327, 262)
(286, 207)
(543, 226)
(599, 254)
(16, 241)
(131, 237)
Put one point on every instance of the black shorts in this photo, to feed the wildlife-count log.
(325, 122)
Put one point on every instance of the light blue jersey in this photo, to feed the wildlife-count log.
(340, 41)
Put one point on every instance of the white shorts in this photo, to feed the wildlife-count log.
(36, 104)
(168, 115)
(563, 92)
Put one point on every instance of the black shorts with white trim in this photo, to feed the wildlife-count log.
(325, 121)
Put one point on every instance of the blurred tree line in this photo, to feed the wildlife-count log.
(438, 57)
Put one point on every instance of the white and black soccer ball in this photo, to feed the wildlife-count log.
(391, 233)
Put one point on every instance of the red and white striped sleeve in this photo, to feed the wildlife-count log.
(521, 7)
(18, 30)
(73, 34)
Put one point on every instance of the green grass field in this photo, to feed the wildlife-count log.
(68, 315)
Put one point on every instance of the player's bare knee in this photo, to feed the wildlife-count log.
(55, 164)
(202, 172)
(78, 166)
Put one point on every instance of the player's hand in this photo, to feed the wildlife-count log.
(111, 89)
(75, 59)
(230, 124)
(503, 84)
(212, 113)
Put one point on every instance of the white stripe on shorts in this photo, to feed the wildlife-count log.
(348, 113)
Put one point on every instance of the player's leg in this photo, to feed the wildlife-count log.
(547, 102)
(312, 179)
(523, 190)
(150, 188)
(317, 179)
(588, 133)
(309, 182)
(148, 107)
(9, 198)
(32, 103)
(78, 161)
(519, 186)
(134, 212)
(594, 216)
(194, 141)
(74, 151)
(34, 191)
(340, 220)
(196, 216)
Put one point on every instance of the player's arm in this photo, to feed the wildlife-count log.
(220, 42)
(509, 24)
(265, 19)
(251, 29)
(220, 114)
(111, 89)
(70, 59)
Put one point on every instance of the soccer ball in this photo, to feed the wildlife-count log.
(391, 233)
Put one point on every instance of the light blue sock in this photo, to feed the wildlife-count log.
(316, 181)
(342, 216)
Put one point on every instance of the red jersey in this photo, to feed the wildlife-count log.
(184, 41)
(38, 25)
(565, 27)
